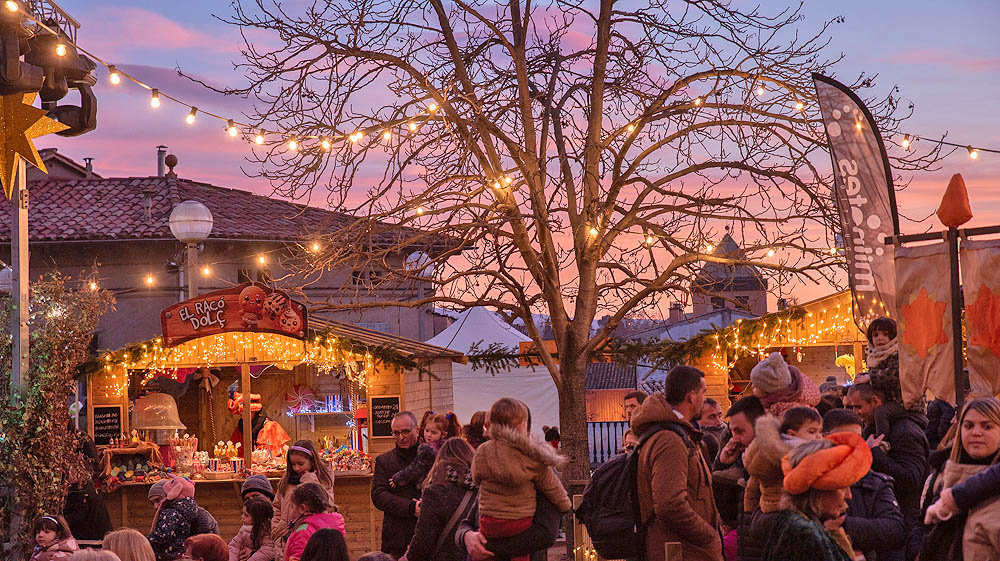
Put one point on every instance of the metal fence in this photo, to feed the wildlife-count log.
(605, 439)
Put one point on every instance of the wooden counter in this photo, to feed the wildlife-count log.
(129, 507)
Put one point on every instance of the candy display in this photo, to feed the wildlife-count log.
(273, 437)
(226, 449)
(300, 398)
(185, 449)
(346, 459)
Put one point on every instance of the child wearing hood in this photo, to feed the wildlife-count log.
(310, 506)
(781, 386)
(53, 540)
(176, 516)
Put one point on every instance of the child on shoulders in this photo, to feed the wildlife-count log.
(434, 430)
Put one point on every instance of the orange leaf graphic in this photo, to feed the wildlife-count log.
(984, 320)
(924, 323)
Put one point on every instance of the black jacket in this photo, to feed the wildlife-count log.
(399, 504)
(86, 513)
(437, 505)
(939, 414)
(874, 522)
(534, 541)
(906, 460)
(979, 487)
(752, 532)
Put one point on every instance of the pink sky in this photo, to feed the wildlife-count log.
(945, 58)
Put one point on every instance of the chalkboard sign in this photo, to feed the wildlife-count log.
(383, 409)
(107, 424)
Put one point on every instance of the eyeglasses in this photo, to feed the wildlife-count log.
(404, 432)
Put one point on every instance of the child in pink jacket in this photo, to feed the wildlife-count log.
(253, 542)
(53, 540)
(310, 503)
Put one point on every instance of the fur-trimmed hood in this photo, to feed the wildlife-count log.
(511, 456)
(763, 462)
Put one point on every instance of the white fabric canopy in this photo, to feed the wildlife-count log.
(476, 390)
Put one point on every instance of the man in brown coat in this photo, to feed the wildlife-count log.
(674, 480)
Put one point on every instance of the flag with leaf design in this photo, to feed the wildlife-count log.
(923, 296)
(981, 285)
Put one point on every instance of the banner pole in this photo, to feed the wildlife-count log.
(956, 317)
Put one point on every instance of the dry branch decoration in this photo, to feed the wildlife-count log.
(573, 158)
(39, 456)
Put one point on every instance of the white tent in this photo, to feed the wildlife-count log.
(476, 390)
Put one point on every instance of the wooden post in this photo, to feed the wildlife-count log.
(247, 426)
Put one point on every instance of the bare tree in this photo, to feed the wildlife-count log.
(573, 158)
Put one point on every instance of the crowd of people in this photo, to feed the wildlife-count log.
(794, 471)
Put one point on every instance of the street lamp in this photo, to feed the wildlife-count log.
(191, 223)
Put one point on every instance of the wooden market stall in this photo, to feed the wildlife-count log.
(334, 383)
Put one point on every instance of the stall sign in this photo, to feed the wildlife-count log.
(107, 424)
(383, 409)
(249, 307)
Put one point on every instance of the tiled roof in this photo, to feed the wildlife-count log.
(112, 209)
(610, 376)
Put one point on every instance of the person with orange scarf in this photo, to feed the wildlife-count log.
(817, 484)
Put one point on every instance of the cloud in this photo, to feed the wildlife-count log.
(943, 57)
(124, 29)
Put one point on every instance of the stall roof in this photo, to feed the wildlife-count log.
(403, 345)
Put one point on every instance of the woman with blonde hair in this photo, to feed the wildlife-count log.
(973, 535)
(129, 545)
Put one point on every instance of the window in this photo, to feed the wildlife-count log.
(718, 303)
(743, 302)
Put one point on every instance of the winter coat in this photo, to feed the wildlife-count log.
(304, 528)
(242, 543)
(762, 461)
(509, 468)
(939, 415)
(906, 460)
(86, 513)
(752, 533)
(172, 527)
(437, 506)
(795, 537)
(984, 485)
(55, 551)
(973, 536)
(205, 524)
(417, 470)
(535, 541)
(398, 504)
(675, 486)
(284, 509)
(874, 522)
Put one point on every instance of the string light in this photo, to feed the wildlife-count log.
(154, 100)
(206, 271)
(770, 253)
(293, 144)
(325, 144)
(650, 240)
(432, 108)
(697, 101)
(420, 210)
(11, 6)
(259, 139)
(113, 76)
(412, 126)
(93, 285)
(149, 280)
(800, 106)
(857, 125)
(191, 116)
(709, 248)
(973, 153)
(593, 231)
(833, 251)
(631, 128)
(496, 185)
(261, 259)
(386, 135)
(231, 128)
(508, 179)
(906, 142)
(61, 49)
(315, 246)
(760, 90)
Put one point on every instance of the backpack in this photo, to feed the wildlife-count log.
(610, 505)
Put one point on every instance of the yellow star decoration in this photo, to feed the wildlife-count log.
(20, 123)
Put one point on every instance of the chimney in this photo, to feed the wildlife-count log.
(161, 166)
(676, 312)
(90, 167)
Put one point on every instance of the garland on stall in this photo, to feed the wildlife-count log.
(39, 455)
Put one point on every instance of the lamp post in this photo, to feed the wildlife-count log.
(191, 222)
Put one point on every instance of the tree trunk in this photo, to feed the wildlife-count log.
(573, 418)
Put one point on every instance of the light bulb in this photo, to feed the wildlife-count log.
(496, 184)
(293, 144)
(154, 100)
(325, 143)
(191, 116)
(857, 125)
(709, 248)
(593, 231)
(412, 126)
(770, 253)
(387, 135)
(93, 285)
(650, 239)
(231, 128)
(508, 179)
(315, 246)
(420, 210)
(61, 49)
(261, 259)
(149, 280)
(432, 107)
(697, 101)
(113, 76)
(833, 251)
(11, 6)
(906, 142)
(800, 106)
(973, 153)
(353, 137)
(259, 139)
(206, 271)
(631, 128)
(760, 91)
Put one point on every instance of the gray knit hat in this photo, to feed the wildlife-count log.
(771, 374)
(157, 490)
(259, 484)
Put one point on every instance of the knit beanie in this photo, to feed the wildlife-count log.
(771, 374)
(156, 490)
(259, 484)
(179, 488)
(829, 385)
